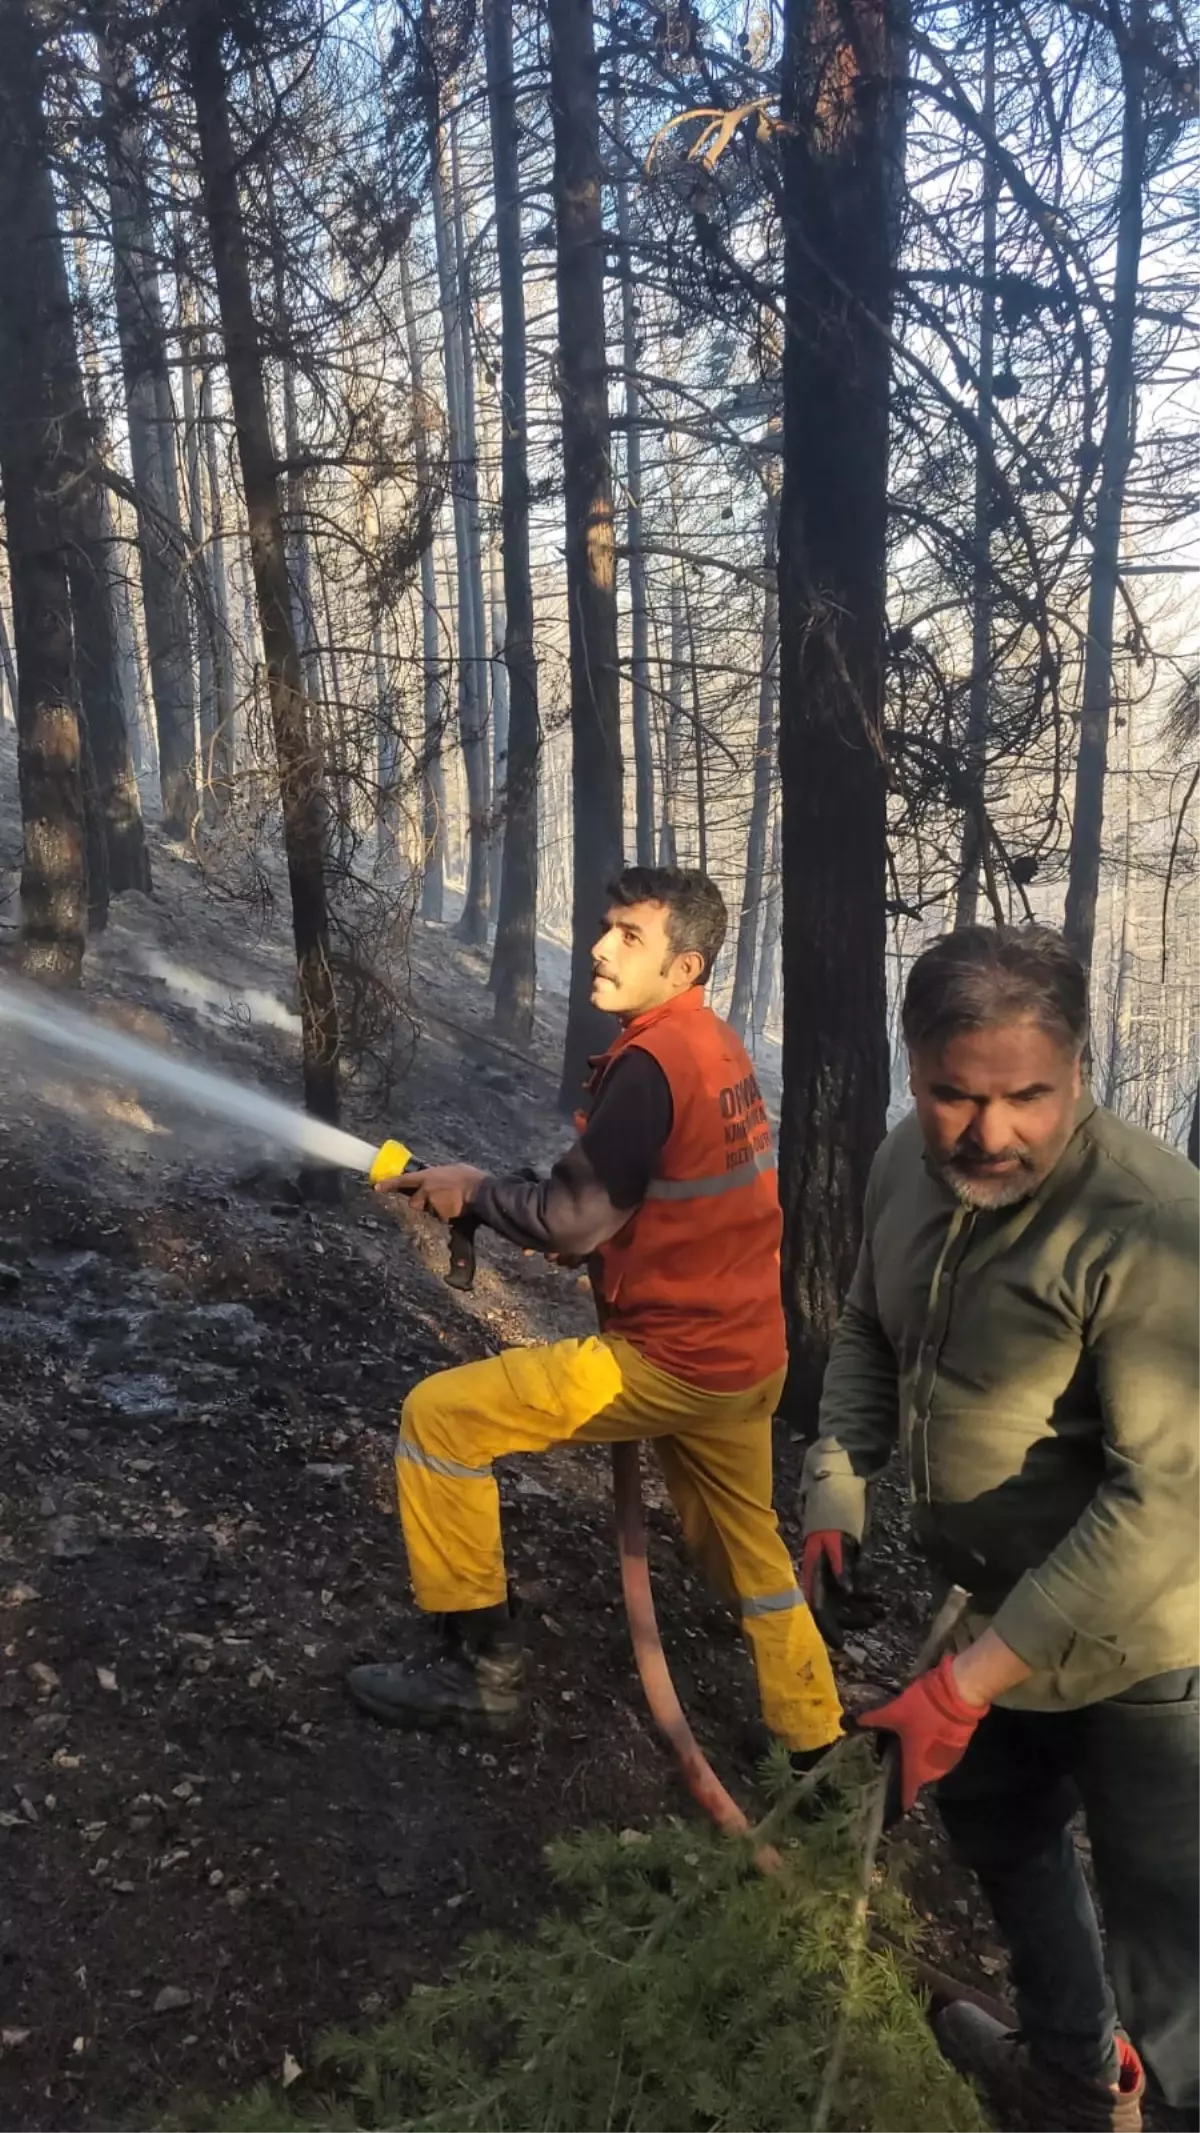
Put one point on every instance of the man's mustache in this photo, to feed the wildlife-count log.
(966, 1152)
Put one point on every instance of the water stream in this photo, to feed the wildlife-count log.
(101, 1051)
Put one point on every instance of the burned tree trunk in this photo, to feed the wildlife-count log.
(433, 772)
(297, 758)
(37, 473)
(162, 546)
(1116, 451)
(587, 479)
(760, 799)
(639, 604)
(841, 177)
(472, 721)
(514, 964)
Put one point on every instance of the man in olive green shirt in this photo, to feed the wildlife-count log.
(1022, 1325)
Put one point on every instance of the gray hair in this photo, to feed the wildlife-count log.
(982, 976)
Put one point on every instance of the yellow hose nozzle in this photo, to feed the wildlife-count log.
(390, 1161)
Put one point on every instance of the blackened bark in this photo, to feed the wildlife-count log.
(1116, 451)
(514, 963)
(433, 773)
(1193, 1141)
(37, 473)
(760, 800)
(587, 477)
(842, 157)
(161, 544)
(639, 604)
(297, 758)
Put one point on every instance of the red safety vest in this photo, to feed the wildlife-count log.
(692, 1281)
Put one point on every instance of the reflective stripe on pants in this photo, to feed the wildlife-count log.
(715, 1453)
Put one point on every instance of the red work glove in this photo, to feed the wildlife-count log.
(820, 1549)
(826, 1578)
(933, 1725)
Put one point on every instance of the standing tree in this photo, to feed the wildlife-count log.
(38, 475)
(514, 963)
(1116, 450)
(596, 797)
(842, 158)
(297, 756)
(162, 546)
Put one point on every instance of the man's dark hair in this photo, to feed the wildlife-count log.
(696, 914)
(986, 975)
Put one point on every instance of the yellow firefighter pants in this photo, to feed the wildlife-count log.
(715, 1453)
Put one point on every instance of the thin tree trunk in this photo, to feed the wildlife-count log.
(760, 798)
(298, 761)
(974, 826)
(842, 168)
(471, 722)
(1116, 451)
(1193, 1139)
(470, 443)
(587, 477)
(639, 609)
(433, 772)
(668, 831)
(768, 955)
(36, 470)
(161, 546)
(697, 739)
(514, 962)
(202, 590)
(8, 672)
(119, 858)
(219, 772)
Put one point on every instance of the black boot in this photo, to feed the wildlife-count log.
(476, 1682)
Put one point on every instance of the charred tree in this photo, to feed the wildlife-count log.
(514, 962)
(587, 477)
(1116, 452)
(433, 772)
(37, 473)
(297, 757)
(842, 165)
(760, 800)
(162, 545)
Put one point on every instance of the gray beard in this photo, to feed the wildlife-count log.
(980, 1194)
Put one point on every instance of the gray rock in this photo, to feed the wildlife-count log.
(10, 1277)
(172, 1999)
(70, 1540)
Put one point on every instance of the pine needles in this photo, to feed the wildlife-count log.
(676, 1988)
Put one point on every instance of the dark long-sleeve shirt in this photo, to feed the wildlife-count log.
(601, 1180)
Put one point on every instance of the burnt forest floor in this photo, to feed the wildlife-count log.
(207, 1856)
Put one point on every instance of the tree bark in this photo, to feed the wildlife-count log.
(8, 672)
(760, 798)
(966, 904)
(204, 599)
(639, 605)
(1116, 452)
(433, 773)
(596, 795)
(668, 829)
(471, 721)
(764, 984)
(37, 470)
(514, 963)
(841, 171)
(161, 543)
(298, 761)
(220, 770)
